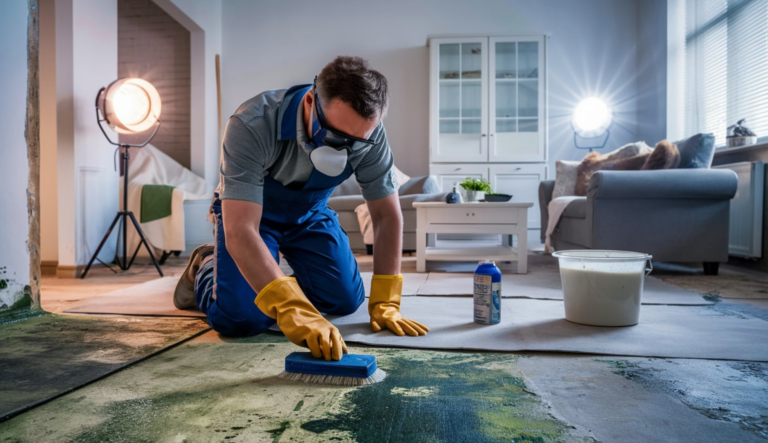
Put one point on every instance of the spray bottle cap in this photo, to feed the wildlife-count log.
(487, 261)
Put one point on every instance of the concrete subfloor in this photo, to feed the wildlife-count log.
(218, 389)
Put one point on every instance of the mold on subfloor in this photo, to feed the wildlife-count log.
(51, 354)
(628, 400)
(731, 391)
(230, 392)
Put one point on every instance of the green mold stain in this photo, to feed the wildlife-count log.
(143, 420)
(298, 406)
(278, 432)
(3, 283)
(467, 398)
(20, 310)
(264, 337)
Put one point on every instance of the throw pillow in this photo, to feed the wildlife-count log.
(566, 173)
(592, 160)
(664, 156)
(628, 150)
(401, 177)
(697, 151)
(588, 166)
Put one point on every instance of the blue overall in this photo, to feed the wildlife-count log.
(300, 225)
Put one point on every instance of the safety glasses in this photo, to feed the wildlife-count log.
(333, 137)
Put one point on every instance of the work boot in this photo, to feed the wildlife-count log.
(184, 295)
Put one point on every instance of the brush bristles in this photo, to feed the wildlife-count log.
(376, 377)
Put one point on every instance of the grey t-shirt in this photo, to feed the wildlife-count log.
(251, 152)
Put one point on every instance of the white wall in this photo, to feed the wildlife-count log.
(49, 212)
(14, 168)
(86, 60)
(204, 21)
(592, 51)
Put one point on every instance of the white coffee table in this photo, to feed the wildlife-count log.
(472, 218)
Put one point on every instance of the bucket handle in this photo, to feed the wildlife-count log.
(648, 266)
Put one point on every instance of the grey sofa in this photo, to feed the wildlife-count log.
(347, 196)
(676, 215)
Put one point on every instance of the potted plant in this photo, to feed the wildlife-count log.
(475, 189)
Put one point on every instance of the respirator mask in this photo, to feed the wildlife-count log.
(330, 147)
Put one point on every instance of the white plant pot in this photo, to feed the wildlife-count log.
(473, 196)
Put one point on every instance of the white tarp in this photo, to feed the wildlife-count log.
(150, 166)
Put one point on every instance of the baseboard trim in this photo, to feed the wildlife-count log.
(48, 267)
(74, 271)
(65, 271)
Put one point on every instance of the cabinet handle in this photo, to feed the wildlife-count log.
(517, 169)
(492, 135)
(457, 169)
(483, 135)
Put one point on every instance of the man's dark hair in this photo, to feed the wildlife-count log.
(351, 80)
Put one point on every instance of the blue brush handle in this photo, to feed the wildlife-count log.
(350, 365)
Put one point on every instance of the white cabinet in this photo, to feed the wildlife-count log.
(449, 174)
(516, 100)
(488, 114)
(459, 104)
(487, 99)
(522, 182)
(519, 180)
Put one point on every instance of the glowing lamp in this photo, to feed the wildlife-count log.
(129, 105)
(591, 119)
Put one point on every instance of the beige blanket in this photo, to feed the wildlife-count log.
(556, 208)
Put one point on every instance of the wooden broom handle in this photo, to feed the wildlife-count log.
(218, 93)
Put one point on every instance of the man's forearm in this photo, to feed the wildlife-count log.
(388, 244)
(253, 258)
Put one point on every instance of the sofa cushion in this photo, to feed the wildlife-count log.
(349, 186)
(566, 173)
(572, 233)
(576, 208)
(345, 202)
(402, 178)
(420, 185)
(348, 221)
(696, 151)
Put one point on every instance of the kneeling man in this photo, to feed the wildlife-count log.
(284, 152)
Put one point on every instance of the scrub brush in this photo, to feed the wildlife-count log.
(351, 370)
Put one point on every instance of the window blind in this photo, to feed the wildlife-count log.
(717, 67)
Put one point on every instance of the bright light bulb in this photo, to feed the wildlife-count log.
(591, 118)
(131, 104)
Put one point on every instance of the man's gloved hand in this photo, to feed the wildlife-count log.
(384, 307)
(283, 300)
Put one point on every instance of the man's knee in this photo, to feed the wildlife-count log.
(344, 299)
(253, 324)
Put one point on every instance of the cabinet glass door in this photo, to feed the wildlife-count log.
(459, 92)
(517, 99)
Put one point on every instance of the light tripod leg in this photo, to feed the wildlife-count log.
(141, 234)
(103, 240)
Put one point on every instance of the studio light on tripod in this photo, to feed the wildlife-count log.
(130, 106)
(591, 120)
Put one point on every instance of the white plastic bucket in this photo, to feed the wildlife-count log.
(603, 288)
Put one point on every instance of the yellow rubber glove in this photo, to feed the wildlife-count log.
(283, 300)
(384, 307)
